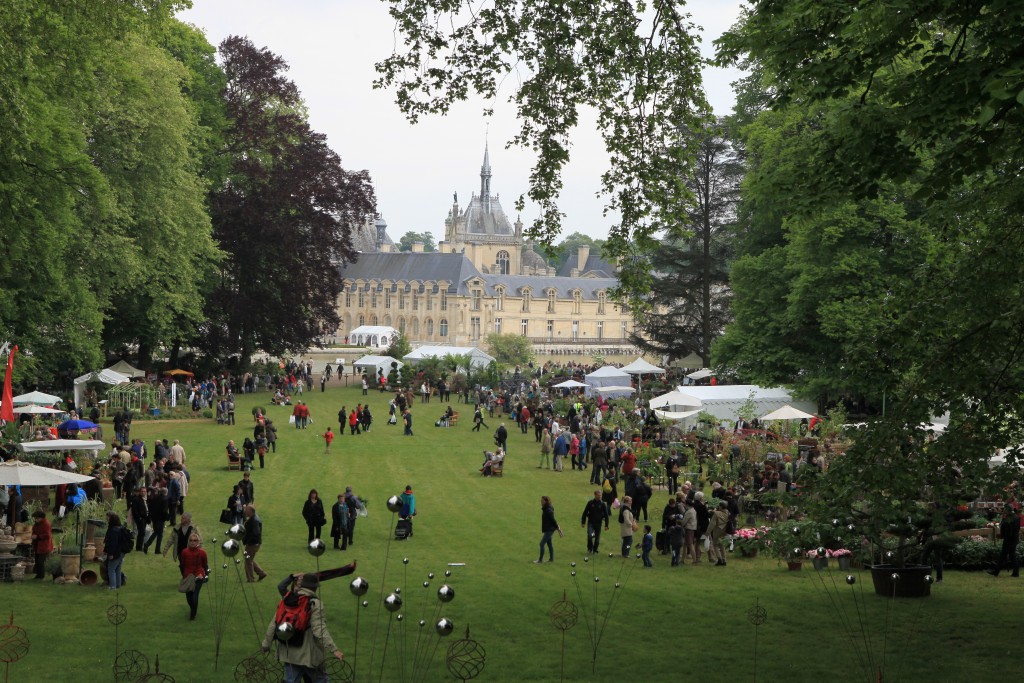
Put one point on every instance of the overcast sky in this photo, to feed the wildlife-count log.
(331, 47)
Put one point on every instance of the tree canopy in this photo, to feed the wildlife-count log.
(637, 67)
(409, 238)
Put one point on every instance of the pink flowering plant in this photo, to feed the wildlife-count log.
(839, 552)
(751, 538)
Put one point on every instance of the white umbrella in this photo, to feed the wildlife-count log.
(675, 399)
(642, 367)
(61, 445)
(568, 384)
(701, 374)
(37, 397)
(17, 473)
(38, 410)
(786, 412)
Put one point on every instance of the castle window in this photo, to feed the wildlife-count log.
(430, 327)
(577, 302)
(551, 300)
(602, 297)
(444, 303)
(497, 326)
(373, 320)
(551, 329)
(362, 320)
(415, 327)
(499, 299)
(443, 327)
(387, 321)
(526, 301)
(477, 299)
(387, 298)
(524, 326)
(600, 329)
(474, 327)
(625, 329)
(348, 298)
(362, 299)
(401, 301)
(415, 301)
(503, 261)
(401, 325)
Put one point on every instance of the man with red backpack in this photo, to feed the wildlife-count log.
(300, 631)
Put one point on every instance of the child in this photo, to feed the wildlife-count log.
(646, 546)
(328, 438)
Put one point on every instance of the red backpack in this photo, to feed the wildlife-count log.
(294, 609)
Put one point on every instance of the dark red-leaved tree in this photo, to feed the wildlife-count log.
(284, 215)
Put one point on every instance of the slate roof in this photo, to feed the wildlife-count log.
(413, 266)
(539, 284)
(595, 264)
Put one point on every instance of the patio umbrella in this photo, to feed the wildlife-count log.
(75, 425)
(61, 445)
(17, 473)
(38, 410)
(36, 397)
(179, 372)
(786, 412)
(675, 399)
(568, 384)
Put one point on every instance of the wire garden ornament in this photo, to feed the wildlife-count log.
(14, 644)
(466, 658)
(756, 615)
(564, 616)
(156, 675)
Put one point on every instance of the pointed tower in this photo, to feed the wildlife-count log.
(485, 180)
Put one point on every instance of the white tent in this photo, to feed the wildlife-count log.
(786, 412)
(61, 445)
(726, 400)
(568, 384)
(608, 376)
(676, 415)
(371, 364)
(478, 359)
(675, 401)
(38, 410)
(374, 336)
(36, 397)
(124, 368)
(105, 376)
(642, 367)
(614, 391)
(17, 473)
(701, 374)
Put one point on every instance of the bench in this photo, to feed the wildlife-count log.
(234, 464)
(497, 469)
(453, 420)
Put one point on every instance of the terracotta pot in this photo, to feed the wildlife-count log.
(70, 565)
(89, 577)
(89, 553)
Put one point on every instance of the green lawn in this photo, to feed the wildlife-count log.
(665, 622)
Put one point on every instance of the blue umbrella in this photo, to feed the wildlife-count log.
(75, 425)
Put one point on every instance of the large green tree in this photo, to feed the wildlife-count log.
(637, 66)
(409, 238)
(689, 303)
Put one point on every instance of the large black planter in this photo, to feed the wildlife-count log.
(911, 581)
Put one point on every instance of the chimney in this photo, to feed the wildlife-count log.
(385, 247)
(417, 247)
(584, 254)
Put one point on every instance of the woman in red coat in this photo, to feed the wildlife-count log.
(194, 562)
(42, 541)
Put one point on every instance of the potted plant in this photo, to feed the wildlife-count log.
(70, 560)
(750, 540)
(843, 556)
(819, 557)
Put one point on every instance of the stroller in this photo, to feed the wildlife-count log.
(403, 529)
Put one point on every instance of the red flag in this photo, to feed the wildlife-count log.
(7, 408)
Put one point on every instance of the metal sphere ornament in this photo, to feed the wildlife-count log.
(394, 503)
(236, 532)
(430, 575)
(444, 627)
(796, 531)
(14, 642)
(156, 675)
(129, 665)
(317, 547)
(393, 603)
(821, 551)
(597, 579)
(797, 552)
(465, 658)
(889, 555)
(397, 591)
(572, 564)
(894, 577)
(423, 622)
(851, 528)
(224, 566)
(835, 522)
(238, 561)
(572, 573)
(851, 579)
(261, 667)
(447, 572)
(446, 593)
(366, 603)
(284, 632)
(426, 584)
(928, 578)
(400, 617)
(586, 559)
(611, 554)
(405, 560)
(116, 614)
(230, 548)
(617, 584)
(359, 586)
(639, 555)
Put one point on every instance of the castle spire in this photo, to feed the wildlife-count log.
(485, 178)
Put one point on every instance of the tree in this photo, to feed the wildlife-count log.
(638, 67)
(689, 303)
(569, 247)
(284, 216)
(399, 348)
(510, 349)
(427, 238)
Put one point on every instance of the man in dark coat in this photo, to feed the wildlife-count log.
(501, 437)
(1009, 529)
(594, 514)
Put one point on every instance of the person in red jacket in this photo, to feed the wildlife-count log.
(194, 563)
(328, 438)
(42, 541)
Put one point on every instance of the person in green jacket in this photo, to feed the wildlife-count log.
(305, 660)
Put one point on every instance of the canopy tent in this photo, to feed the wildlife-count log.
(124, 368)
(36, 397)
(61, 445)
(608, 376)
(478, 359)
(370, 364)
(642, 367)
(676, 415)
(724, 401)
(614, 391)
(568, 384)
(104, 376)
(786, 412)
(374, 336)
(675, 401)
(17, 473)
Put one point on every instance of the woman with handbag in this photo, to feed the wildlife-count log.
(627, 524)
(195, 569)
(313, 513)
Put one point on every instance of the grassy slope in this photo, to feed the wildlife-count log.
(664, 620)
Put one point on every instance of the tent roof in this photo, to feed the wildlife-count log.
(735, 392)
(15, 472)
(609, 371)
(701, 374)
(675, 398)
(642, 367)
(787, 412)
(105, 376)
(126, 369)
(38, 410)
(568, 384)
(370, 359)
(373, 329)
(442, 351)
(61, 445)
(37, 397)
(670, 415)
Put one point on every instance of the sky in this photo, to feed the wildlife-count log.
(331, 47)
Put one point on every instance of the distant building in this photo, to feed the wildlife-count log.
(482, 280)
